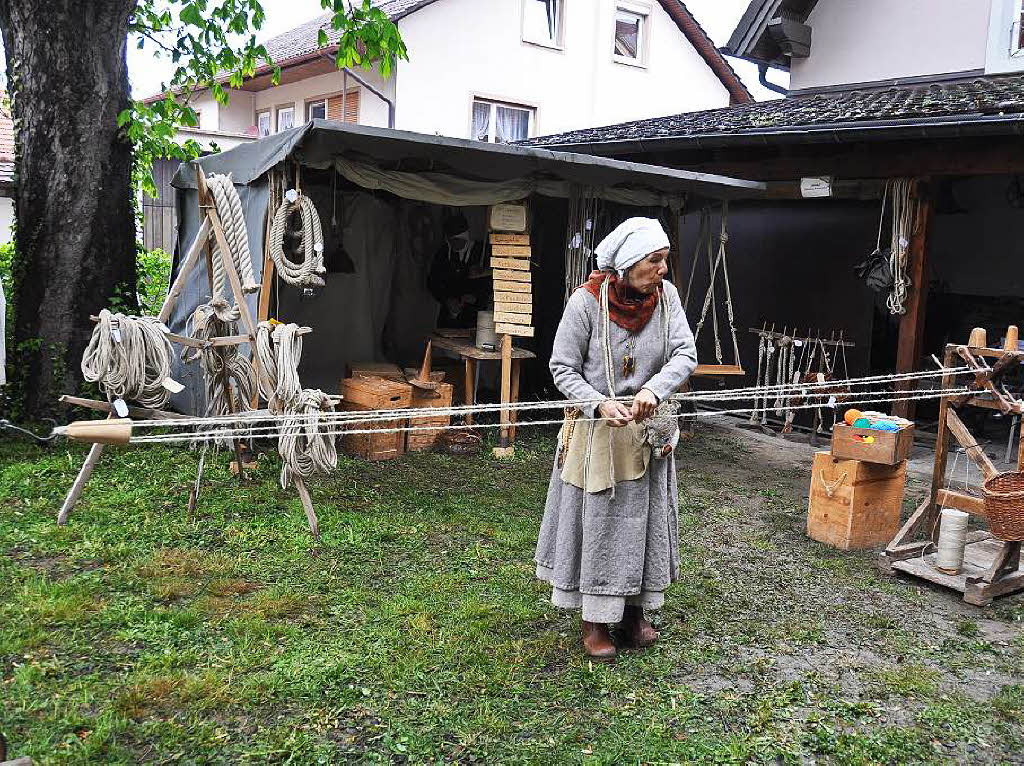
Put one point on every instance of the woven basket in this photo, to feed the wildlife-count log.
(1004, 505)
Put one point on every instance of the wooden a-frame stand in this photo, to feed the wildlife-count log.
(211, 225)
(991, 566)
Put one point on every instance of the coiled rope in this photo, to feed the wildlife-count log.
(307, 442)
(279, 350)
(306, 446)
(229, 210)
(223, 365)
(308, 273)
(130, 358)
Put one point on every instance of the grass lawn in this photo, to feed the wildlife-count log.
(417, 632)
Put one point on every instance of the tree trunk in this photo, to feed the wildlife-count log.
(75, 239)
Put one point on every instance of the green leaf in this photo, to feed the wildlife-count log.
(322, 39)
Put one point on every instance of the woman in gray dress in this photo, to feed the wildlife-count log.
(608, 543)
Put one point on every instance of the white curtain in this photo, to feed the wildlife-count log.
(444, 189)
(481, 121)
(512, 125)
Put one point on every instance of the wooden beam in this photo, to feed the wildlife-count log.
(967, 441)
(962, 502)
(908, 349)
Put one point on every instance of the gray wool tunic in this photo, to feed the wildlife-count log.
(624, 549)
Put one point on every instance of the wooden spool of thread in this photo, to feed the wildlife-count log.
(979, 338)
(952, 541)
(1012, 336)
(114, 431)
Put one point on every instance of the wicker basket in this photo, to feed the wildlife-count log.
(1004, 505)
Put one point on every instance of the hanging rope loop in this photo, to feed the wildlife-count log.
(307, 444)
(232, 217)
(309, 273)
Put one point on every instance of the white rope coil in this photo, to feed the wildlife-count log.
(308, 273)
(129, 357)
(279, 350)
(307, 443)
(222, 365)
(232, 217)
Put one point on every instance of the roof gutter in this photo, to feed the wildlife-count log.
(838, 133)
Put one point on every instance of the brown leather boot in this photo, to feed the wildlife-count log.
(638, 631)
(597, 642)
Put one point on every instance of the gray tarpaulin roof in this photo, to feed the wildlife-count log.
(318, 142)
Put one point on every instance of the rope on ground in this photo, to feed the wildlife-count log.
(229, 210)
(129, 357)
(308, 273)
(222, 365)
(307, 445)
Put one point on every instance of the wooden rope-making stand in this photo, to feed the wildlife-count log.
(210, 226)
(991, 566)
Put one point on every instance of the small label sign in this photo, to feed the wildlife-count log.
(816, 186)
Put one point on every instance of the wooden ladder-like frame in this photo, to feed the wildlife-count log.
(991, 566)
(211, 226)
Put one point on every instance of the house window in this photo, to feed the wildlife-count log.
(263, 124)
(501, 123)
(316, 110)
(1017, 32)
(630, 35)
(542, 22)
(285, 118)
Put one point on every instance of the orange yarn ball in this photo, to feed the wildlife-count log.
(851, 416)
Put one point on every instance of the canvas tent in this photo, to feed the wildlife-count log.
(381, 196)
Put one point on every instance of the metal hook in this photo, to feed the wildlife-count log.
(6, 425)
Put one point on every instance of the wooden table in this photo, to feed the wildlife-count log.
(472, 356)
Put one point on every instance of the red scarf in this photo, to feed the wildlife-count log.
(629, 309)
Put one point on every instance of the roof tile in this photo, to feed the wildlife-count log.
(978, 96)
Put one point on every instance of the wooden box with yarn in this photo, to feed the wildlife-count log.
(854, 504)
(367, 394)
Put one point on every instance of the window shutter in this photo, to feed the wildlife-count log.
(344, 110)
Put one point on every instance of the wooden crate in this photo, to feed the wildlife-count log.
(886, 448)
(854, 504)
(418, 441)
(367, 394)
(376, 369)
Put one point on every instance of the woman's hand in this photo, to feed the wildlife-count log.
(644, 405)
(616, 413)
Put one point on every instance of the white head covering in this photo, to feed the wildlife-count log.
(632, 241)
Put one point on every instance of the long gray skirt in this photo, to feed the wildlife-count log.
(616, 550)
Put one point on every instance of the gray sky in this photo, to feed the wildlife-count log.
(718, 17)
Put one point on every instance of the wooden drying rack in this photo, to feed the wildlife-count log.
(991, 566)
(211, 225)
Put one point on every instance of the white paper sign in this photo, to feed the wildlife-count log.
(172, 385)
(120, 408)
(115, 333)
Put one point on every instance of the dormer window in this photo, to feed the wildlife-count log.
(631, 34)
(542, 22)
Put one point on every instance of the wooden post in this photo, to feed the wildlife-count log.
(908, 350)
(76, 489)
(504, 449)
(470, 383)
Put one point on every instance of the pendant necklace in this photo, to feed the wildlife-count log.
(629, 361)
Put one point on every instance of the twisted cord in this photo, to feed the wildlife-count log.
(309, 272)
(129, 357)
(307, 445)
(229, 210)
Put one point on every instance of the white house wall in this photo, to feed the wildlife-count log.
(237, 115)
(872, 40)
(460, 49)
(6, 220)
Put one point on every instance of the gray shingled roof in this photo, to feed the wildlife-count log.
(304, 38)
(977, 98)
